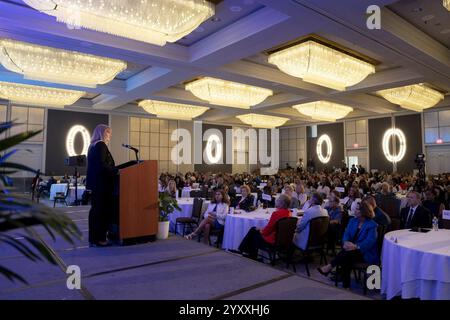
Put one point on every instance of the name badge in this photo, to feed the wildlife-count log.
(340, 189)
(267, 197)
(446, 214)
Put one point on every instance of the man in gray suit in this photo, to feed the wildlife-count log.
(302, 232)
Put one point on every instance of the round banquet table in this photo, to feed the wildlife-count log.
(237, 226)
(185, 205)
(416, 265)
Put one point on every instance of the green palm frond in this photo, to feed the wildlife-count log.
(18, 213)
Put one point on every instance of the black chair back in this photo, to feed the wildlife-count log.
(196, 194)
(285, 232)
(381, 230)
(197, 208)
(318, 229)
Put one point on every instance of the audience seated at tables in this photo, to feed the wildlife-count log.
(256, 239)
(267, 191)
(415, 215)
(353, 196)
(294, 201)
(335, 214)
(300, 194)
(359, 243)
(315, 210)
(381, 217)
(433, 205)
(172, 189)
(65, 179)
(246, 202)
(214, 217)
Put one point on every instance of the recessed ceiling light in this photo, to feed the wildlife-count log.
(235, 8)
(417, 9)
(215, 19)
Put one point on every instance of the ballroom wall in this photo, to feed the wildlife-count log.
(377, 128)
(59, 123)
(336, 133)
(410, 124)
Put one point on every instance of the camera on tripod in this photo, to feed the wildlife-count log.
(420, 160)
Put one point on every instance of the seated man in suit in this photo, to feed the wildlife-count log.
(415, 215)
(302, 233)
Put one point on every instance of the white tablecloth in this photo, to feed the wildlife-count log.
(237, 226)
(80, 191)
(186, 192)
(57, 187)
(62, 187)
(416, 265)
(185, 205)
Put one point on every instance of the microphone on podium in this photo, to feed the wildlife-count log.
(136, 150)
(130, 147)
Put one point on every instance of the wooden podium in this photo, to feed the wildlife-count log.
(138, 202)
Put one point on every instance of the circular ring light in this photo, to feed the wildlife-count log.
(401, 138)
(209, 147)
(324, 138)
(70, 140)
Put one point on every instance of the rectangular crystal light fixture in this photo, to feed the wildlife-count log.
(57, 65)
(170, 110)
(262, 121)
(446, 4)
(227, 93)
(416, 97)
(37, 95)
(316, 63)
(151, 21)
(323, 110)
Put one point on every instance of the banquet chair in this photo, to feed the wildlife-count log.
(317, 240)
(361, 267)
(193, 220)
(285, 230)
(61, 197)
(196, 194)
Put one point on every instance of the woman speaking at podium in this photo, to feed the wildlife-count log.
(101, 172)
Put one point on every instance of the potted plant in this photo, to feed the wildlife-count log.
(167, 205)
(19, 215)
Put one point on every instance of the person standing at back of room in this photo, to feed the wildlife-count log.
(101, 172)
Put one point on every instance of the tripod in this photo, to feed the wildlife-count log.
(76, 202)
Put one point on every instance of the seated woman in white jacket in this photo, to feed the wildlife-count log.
(214, 217)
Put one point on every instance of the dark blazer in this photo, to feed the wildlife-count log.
(421, 218)
(366, 240)
(246, 203)
(101, 169)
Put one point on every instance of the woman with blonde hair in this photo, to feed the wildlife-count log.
(100, 179)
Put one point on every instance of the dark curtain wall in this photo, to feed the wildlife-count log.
(411, 127)
(59, 123)
(214, 168)
(336, 133)
(377, 128)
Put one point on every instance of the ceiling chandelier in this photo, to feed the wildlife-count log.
(152, 21)
(170, 110)
(323, 110)
(262, 121)
(416, 97)
(227, 93)
(322, 65)
(36, 95)
(446, 4)
(57, 65)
